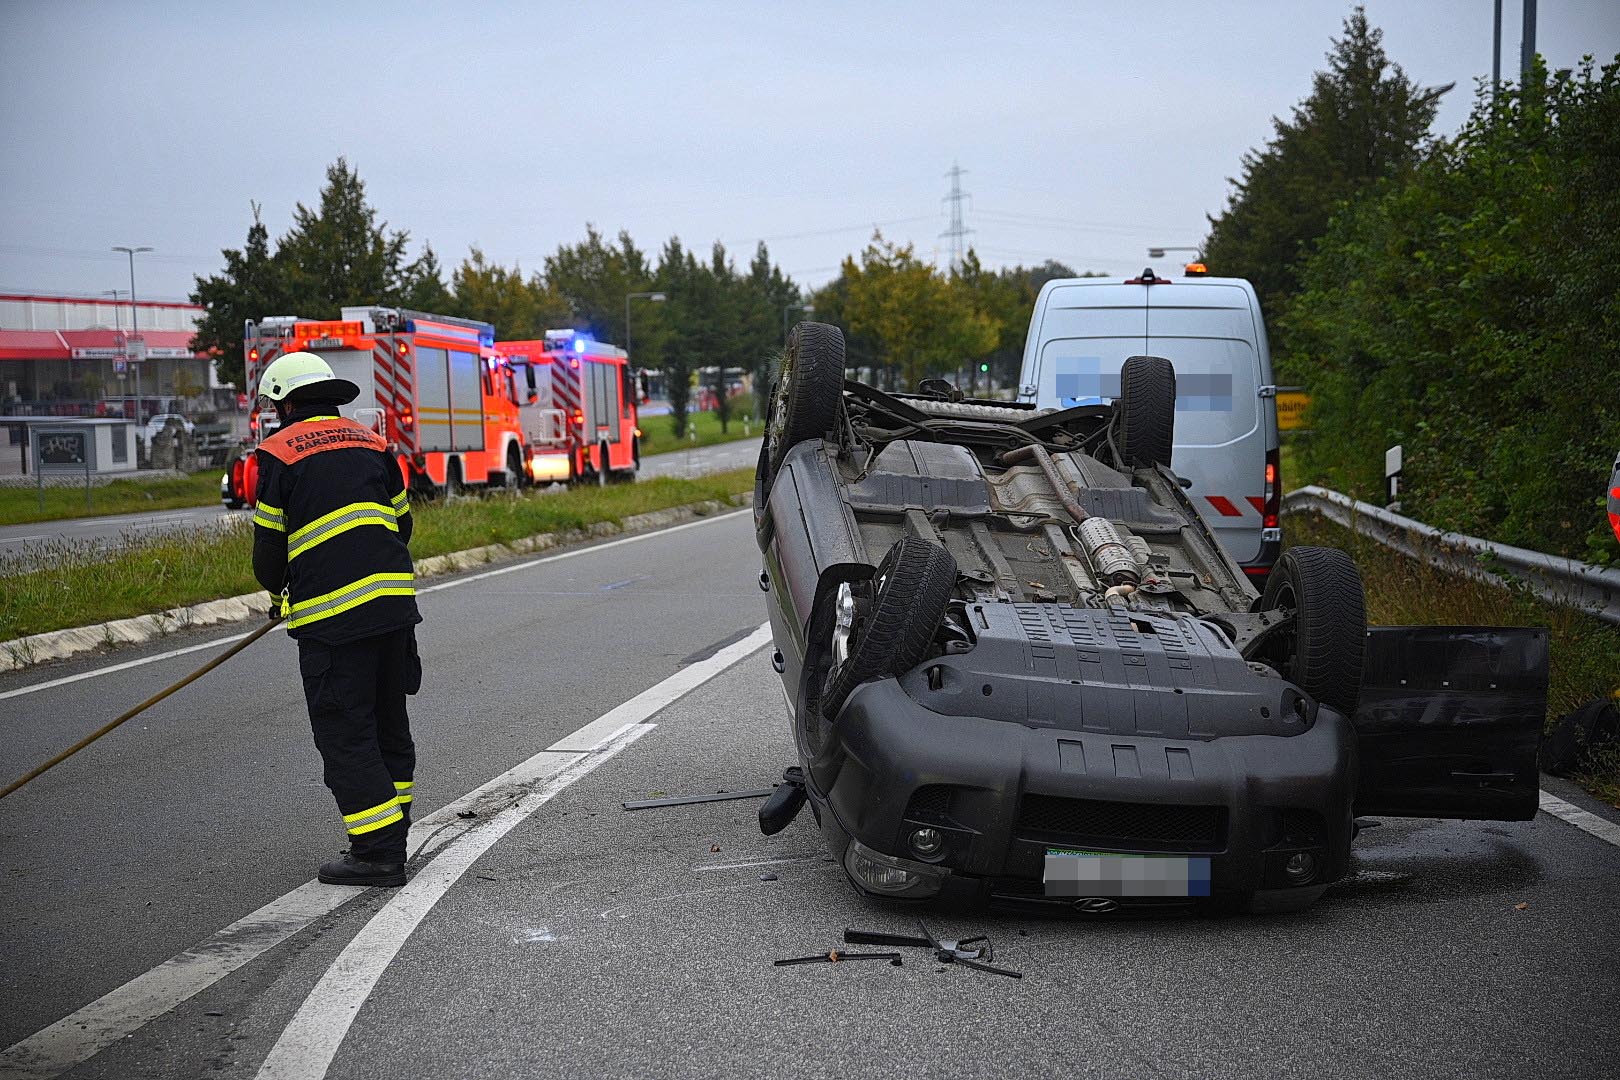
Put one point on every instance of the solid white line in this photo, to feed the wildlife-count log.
(582, 551)
(83, 1034)
(49, 684)
(312, 1038)
(1584, 820)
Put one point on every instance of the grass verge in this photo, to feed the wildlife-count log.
(18, 506)
(658, 432)
(87, 584)
(1585, 656)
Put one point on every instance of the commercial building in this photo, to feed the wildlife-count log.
(76, 356)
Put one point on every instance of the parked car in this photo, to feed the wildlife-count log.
(1019, 667)
(1211, 329)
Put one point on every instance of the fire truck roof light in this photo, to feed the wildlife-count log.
(579, 345)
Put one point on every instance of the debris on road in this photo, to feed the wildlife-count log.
(973, 952)
(691, 800)
(833, 956)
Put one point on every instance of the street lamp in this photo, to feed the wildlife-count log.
(806, 308)
(654, 297)
(134, 323)
(1158, 252)
(118, 324)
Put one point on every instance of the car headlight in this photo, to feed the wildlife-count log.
(890, 876)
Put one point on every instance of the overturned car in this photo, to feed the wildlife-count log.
(1020, 669)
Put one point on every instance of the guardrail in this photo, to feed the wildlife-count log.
(1595, 589)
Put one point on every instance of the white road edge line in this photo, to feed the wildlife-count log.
(312, 1038)
(1584, 820)
(83, 1034)
(524, 565)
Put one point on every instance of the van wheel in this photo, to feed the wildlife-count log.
(809, 390)
(1147, 411)
(890, 629)
(1323, 655)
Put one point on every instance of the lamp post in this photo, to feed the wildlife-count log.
(654, 297)
(135, 323)
(118, 324)
(806, 308)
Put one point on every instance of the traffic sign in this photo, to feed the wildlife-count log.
(1291, 409)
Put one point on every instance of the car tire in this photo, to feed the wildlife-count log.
(1147, 411)
(910, 592)
(1323, 656)
(809, 390)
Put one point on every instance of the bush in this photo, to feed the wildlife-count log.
(1470, 314)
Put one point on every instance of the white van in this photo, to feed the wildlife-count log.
(1210, 328)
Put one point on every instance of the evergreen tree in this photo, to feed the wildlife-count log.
(340, 253)
(250, 287)
(1364, 120)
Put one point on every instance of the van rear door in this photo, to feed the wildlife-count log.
(1208, 332)
(1085, 333)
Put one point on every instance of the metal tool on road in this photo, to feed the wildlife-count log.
(973, 952)
(143, 706)
(693, 800)
(833, 956)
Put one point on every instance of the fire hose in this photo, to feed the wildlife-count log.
(143, 706)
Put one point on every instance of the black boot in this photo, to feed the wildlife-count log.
(349, 870)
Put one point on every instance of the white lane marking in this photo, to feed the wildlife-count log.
(760, 862)
(50, 684)
(609, 724)
(312, 1038)
(513, 568)
(83, 1034)
(1584, 820)
(24, 539)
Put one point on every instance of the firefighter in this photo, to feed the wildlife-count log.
(329, 542)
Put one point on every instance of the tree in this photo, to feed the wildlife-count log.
(339, 253)
(923, 322)
(1363, 121)
(422, 286)
(595, 278)
(250, 287)
(520, 309)
(678, 280)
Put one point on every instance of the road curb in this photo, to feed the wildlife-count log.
(25, 652)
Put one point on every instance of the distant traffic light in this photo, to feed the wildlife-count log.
(984, 367)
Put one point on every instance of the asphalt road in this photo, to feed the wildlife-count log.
(553, 934)
(15, 539)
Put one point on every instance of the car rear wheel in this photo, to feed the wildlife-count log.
(1147, 411)
(1323, 655)
(889, 630)
(809, 390)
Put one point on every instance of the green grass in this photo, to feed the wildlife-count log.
(658, 432)
(21, 505)
(1585, 657)
(85, 584)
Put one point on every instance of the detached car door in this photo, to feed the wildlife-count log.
(1450, 721)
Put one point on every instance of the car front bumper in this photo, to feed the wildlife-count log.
(1001, 794)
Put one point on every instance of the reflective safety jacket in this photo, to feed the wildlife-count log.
(330, 529)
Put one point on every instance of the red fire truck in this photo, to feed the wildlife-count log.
(432, 385)
(578, 408)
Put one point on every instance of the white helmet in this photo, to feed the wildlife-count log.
(303, 376)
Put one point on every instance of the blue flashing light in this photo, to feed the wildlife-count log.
(579, 345)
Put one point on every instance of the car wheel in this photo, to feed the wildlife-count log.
(1324, 653)
(1147, 411)
(891, 630)
(809, 390)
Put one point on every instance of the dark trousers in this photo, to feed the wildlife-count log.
(356, 695)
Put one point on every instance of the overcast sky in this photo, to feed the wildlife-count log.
(1089, 131)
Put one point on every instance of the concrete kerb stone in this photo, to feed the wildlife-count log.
(61, 644)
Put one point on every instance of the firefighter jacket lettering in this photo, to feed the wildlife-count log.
(331, 526)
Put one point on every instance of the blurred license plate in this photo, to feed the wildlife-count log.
(1097, 873)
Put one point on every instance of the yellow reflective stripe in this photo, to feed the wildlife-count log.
(340, 521)
(352, 595)
(360, 830)
(371, 814)
(402, 503)
(402, 790)
(271, 517)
